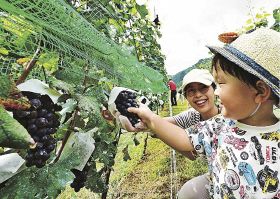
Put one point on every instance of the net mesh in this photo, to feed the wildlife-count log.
(65, 38)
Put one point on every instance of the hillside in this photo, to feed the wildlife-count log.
(202, 63)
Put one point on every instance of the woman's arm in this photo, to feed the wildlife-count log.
(189, 154)
(171, 120)
(171, 134)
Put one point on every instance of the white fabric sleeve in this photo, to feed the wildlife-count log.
(187, 118)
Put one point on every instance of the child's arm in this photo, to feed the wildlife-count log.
(171, 134)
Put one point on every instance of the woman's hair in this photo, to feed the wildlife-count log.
(238, 72)
(214, 86)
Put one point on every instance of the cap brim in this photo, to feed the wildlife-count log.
(205, 82)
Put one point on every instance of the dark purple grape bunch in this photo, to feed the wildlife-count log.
(125, 100)
(41, 122)
(80, 178)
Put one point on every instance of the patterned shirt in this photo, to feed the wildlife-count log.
(187, 118)
(243, 160)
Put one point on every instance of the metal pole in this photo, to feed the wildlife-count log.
(173, 173)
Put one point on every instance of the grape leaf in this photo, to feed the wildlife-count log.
(4, 51)
(49, 61)
(105, 149)
(89, 104)
(38, 183)
(62, 129)
(68, 107)
(142, 10)
(96, 120)
(10, 96)
(61, 85)
(72, 75)
(7, 86)
(12, 133)
(96, 183)
(105, 153)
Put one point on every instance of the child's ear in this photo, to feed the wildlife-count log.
(263, 92)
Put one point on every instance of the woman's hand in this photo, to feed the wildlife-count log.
(144, 113)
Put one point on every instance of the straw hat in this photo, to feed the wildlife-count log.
(258, 53)
(197, 75)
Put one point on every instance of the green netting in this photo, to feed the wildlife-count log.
(59, 37)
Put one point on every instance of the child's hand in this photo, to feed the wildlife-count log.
(126, 124)
(143, 112)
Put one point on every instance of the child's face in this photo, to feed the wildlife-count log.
(237, 98)
(200, 96)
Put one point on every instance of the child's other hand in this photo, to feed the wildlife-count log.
(143, 112)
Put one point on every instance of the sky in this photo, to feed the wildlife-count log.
(187, 26)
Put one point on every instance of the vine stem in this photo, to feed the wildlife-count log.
(133, 36)
(29, 66)
(72, 123)
(66, 136)
(145, 147)
(109, 169)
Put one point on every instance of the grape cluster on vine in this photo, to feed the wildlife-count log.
(41, 122)
(125, 100)
(80, 178)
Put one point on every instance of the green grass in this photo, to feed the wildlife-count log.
(84, 193)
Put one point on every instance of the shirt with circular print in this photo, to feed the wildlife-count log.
(243, 160)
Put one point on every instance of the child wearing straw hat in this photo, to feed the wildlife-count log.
(241, 145)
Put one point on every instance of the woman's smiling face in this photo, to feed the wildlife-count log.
(200, 96)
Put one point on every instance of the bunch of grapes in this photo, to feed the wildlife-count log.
(41, 122)
(125, 100)
(80, 178)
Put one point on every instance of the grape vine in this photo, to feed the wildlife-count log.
(80, 55)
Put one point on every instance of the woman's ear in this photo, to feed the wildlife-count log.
(263, 92)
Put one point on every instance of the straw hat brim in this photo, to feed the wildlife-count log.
(233, 58)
